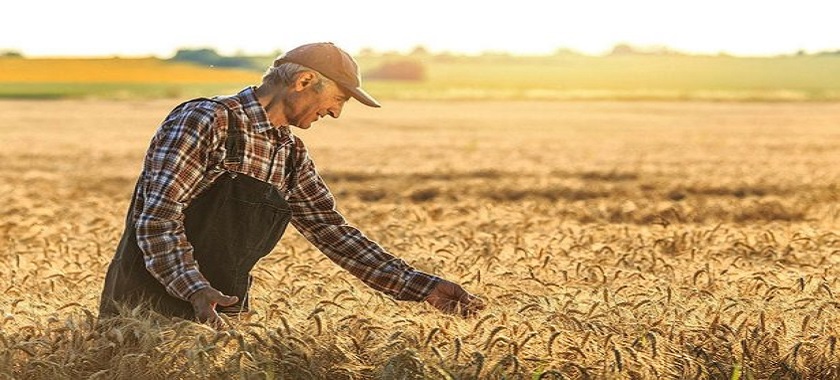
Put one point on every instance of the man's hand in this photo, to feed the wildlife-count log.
(204, 304)
(451, 298)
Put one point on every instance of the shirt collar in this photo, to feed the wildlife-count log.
(256, 113)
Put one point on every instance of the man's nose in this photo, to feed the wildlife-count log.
(335, 112)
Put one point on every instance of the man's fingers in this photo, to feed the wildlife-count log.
(210, 317)
(451, 298)
(471, 305)
(226, 300)
(217, 297)
(204, 304)
(476, 303)
(205, 315)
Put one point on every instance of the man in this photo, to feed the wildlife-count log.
(221, 180)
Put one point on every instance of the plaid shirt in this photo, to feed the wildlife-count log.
(184, 159)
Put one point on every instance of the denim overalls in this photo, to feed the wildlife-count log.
(231, 225)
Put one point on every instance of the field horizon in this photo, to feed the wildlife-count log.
(668, 77)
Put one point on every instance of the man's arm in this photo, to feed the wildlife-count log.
(175, 163)
(314, 214)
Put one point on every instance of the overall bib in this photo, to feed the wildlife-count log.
(231, 225)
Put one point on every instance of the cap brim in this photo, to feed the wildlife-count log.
(363, 97)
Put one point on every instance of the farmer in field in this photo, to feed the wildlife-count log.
(222, 179)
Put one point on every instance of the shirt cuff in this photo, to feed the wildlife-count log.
(418, 286)
(186, 284)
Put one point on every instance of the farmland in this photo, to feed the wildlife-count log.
(113, 78)
(558, 77)
(610, 240)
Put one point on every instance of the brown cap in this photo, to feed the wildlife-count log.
(333, 63)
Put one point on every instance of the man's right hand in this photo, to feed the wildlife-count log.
(451, 298)
(204, 304)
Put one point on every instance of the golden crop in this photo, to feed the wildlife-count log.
(614, 240)
(115, 70)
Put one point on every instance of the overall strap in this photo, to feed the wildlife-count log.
(291, 168)
(235, 142)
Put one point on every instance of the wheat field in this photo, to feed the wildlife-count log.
(611, 240)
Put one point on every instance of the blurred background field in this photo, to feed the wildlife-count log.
(419, 75)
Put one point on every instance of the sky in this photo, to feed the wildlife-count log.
(39, 28)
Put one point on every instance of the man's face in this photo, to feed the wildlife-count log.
(314, 101)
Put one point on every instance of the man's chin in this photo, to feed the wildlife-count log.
(302, 125)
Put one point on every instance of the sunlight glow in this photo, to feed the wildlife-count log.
(157, 27)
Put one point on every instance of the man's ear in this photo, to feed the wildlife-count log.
(305, 79)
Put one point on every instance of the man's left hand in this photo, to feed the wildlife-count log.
(451, 298)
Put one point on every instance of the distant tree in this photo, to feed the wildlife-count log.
(405, 69)
(660, 50)
(445, 56)
(627, 49)
(10, 54)
(237, 61)
(495, 54)
(205, 56)
(623, 49)
(209, 57)
(419, 51)
(367, 52)
(560, 52)
(392, 54)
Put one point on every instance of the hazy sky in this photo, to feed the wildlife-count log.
(157, 27)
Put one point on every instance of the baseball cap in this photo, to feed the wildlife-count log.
(333, 63)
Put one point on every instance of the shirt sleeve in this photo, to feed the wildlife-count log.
(314, 214)
(174, 165)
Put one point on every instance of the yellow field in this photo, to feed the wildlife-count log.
(611, 240)
(104, 70)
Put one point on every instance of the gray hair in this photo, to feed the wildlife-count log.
(285, 72)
